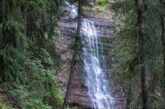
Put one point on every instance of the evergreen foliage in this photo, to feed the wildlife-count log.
(27, 65)
(126, 69)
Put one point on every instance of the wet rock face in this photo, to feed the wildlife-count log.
(67, 27)
(104, 24)
(78, 94)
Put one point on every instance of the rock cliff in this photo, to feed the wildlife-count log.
(105, 29)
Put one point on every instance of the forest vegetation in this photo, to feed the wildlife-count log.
(29, 61)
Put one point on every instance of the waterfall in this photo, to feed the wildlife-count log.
(96, 78)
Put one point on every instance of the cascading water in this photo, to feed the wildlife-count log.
(96, 79)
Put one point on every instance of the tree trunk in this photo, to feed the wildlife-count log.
(163, 46)
(139, 5)
(128, 100)
(2, 70)
(73, 62)
(1, 11)
(30, 24)
(129, 89)
(57, 4)
(2, 63)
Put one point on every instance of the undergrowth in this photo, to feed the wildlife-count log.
(4, 105)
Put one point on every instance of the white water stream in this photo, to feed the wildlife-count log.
(96, 79)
